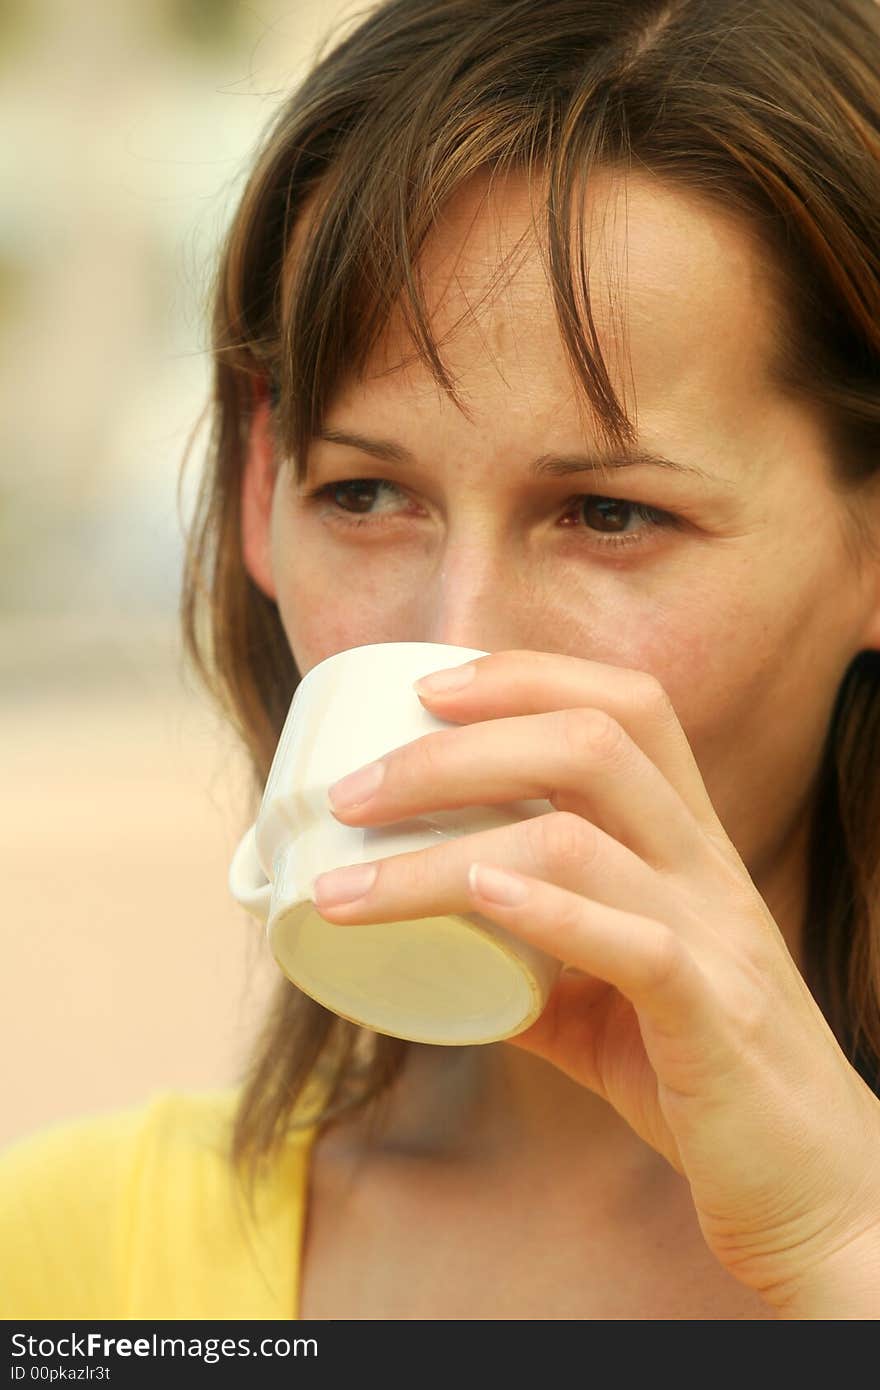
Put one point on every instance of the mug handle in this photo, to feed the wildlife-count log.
(247, 882)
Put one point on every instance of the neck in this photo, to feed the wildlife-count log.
(501, 1113)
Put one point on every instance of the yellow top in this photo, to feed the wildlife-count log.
(135, 1214)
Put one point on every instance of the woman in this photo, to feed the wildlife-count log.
(489, 245)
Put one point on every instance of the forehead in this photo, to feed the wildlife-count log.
(681, 298)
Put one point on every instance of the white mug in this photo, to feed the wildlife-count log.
(456, 980)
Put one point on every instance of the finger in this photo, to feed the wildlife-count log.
(643, 958)
(533, 682)
(433, 882)
(580, 760)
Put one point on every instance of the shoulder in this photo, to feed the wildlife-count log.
(58, 1157)
(108, 1214)
(68, 1156)
(178, 1125)
(70, 1196)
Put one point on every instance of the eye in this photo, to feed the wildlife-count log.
(609, 514)
(360, 491)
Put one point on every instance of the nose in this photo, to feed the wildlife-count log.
(473, 600)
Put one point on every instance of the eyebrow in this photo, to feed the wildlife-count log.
(546, 465)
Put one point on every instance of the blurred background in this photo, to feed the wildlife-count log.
(130, 129)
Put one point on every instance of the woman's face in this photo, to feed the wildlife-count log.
(735, 581)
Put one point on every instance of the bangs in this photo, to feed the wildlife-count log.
(353, 259)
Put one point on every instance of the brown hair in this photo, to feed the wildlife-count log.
(771, 108)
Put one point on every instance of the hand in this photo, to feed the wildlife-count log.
(685, 1010)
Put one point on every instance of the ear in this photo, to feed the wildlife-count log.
(257, 490)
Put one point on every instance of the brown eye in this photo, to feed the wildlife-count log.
(359, 491)
(623, 523)
(607, 513)
(612, 515)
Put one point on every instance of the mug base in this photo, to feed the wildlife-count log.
(446, 981)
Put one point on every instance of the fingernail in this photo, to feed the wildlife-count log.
(344, 885)
(443, 682)
(357, 786)
(496, 886)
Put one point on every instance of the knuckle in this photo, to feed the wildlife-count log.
(663, 962)
(561, 838)
(591, 734)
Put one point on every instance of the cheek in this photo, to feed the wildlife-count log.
(326, 608)
(720, 655)
(762, 651)
(752, 672)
